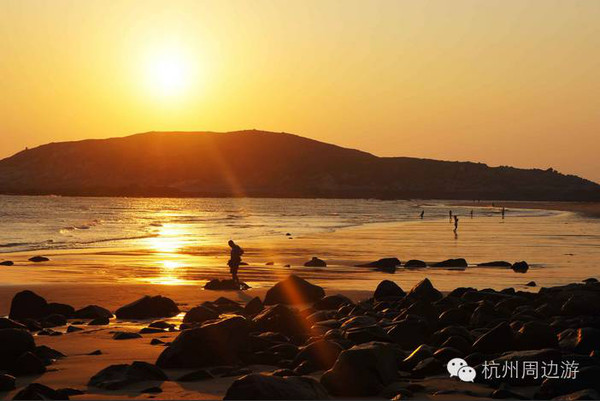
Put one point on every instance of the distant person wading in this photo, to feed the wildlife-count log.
(235, 260)
(455, 224)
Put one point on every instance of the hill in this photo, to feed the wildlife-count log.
(265, 164)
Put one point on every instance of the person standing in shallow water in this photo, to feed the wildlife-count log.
(422, 214)
(235, 260)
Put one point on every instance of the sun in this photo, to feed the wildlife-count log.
(169, 73)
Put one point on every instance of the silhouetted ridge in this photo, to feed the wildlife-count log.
(259, 163)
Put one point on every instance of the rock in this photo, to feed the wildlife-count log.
(460, 262)
(385, 264)
(37, 391)
(269, 263)
(161, 324)
(531, 284)
(7, 263)
(587, 394)
(152, 390)
(498, 339)
(367, 334)
(590, 280)
(459, 343)
(409, 333)
(99, 321)
(38, 259)
(388, 289)
(582, 341)
(293, 290)
(60, 309)
(47, 355)
(269, 387)
(315, 262)
(151, 330)
(93, 312)
(68, 392)
(148, 307)
(281, 319)
(446, 354)
(424, 291)
(214, 343)
(218, 284)
(283, 372)
(200, 314)
(14, 343)
(420, 353)
(536, 335)
(502, 393)
(497, 263)
(358, 321)
(586, 379)
(520, 267)
(253, 307)
(54, 320)
(196, 375)
(321, 353)
(156, 341)
(116, 377)
(6, 323)
(96, 352)
(363, 370)
(581, 304)
(123, 335)
(454, 316)
(428, 367)
(27, 304)
(7, 382)
(332, 302)
(28, 364)
(415, 264)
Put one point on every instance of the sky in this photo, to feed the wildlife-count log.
(501, 82)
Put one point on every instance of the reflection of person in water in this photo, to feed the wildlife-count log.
(422, 214)
(455, 224)
(235, 260)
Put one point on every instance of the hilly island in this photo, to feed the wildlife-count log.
(266, 164)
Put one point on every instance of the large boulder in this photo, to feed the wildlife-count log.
(253, 307)
(116, 377)
(214, 343)
(332, 302)
(388, 289)
(270, 387)
(55, 308)
(322, 354)
(28, 364)
(148, 307)
(496, 340)
(536, 335)
(7, 382)
(385, 264)
(363, 370)
(93, 312)
(582, 341)
(13, 344)
(424, 291)
(293, 290)
(409, 333)
(27, 304)
(200, 314)
(281, 319)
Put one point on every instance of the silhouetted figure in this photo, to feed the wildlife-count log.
(235, 260)
(503, 211)
(455, 224)
(422, 214)
(450, 216)
(471, 213)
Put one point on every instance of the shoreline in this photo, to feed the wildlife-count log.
(588, 209)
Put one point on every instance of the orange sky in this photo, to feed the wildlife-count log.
(503, 82)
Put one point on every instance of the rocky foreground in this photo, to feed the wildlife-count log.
(394, 345)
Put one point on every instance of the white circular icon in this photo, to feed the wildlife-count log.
(466, 374)
(454, 366)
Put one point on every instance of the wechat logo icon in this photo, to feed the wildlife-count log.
(458, 367)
